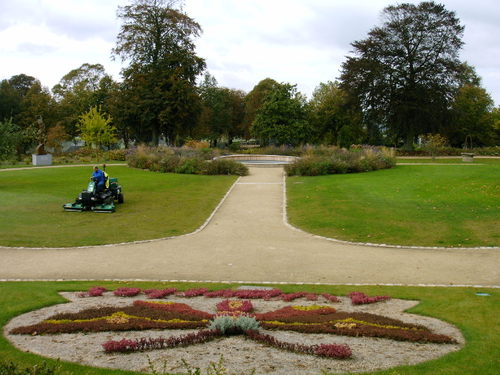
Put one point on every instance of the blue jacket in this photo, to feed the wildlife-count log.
(99, 177)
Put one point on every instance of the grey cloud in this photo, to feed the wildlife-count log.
(12, 12)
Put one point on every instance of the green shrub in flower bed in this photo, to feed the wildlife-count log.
(184, 161)
(340, 161)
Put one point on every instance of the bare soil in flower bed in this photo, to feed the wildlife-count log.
(240, 354)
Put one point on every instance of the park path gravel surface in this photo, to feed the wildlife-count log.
(249, 240)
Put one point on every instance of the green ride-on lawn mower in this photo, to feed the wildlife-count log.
(92, 200)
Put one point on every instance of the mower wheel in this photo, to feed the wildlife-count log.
(120, 198)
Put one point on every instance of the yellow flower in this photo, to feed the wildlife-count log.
(310, 308)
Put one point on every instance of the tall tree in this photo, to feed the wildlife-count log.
(282, 118)
(334, 118)
(253, 102)
(222, 111)
(156, 39)
(10, 101)
(12, 94)
(78, 91)
(472, 117)
(22, 83)
(405, 74)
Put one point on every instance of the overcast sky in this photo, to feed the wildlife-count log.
(302, 42)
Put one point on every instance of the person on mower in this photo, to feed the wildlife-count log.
(99, 178)
(106, 177)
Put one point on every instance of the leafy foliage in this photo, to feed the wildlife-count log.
(222, 112)
(405, 73)
(184, 161)
(282, 118)
(473, 116)
(341, 161)
(334, 117)
(79, 90)
(158, 93)
(10, 137)
(96, 129)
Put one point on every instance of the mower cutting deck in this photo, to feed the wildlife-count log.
(91, 200)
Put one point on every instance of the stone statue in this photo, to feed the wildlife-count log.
(42, 137)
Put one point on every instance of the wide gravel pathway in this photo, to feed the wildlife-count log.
(249, 240)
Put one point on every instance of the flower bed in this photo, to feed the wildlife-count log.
(137, 317)
(349, 324)
(274, 323)
(169, 315)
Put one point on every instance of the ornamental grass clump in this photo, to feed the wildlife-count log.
(231, 325)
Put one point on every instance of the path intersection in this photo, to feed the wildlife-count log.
(249, 240)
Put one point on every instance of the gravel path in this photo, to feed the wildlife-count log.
(249, 240)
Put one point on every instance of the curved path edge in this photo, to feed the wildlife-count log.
(199, 229)
(369, 244)
(216, 209)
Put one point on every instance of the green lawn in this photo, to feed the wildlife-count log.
(475, 316)
(448, 160)
(407, 205)
(156, 205)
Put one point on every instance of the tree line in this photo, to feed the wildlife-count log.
(404, 80)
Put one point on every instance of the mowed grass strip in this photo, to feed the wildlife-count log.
(156, 205)
(444, 160)
(451, 206)
(476, 316)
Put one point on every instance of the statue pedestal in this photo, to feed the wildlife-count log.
(41, 159)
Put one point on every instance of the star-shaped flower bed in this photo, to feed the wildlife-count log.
(234, 315)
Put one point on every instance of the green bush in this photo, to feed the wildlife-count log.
(190, 166)
(339, 161)
(168, 164)
(10, 136)
(183, 160)
(224, 166)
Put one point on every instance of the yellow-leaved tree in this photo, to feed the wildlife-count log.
(96, 129)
